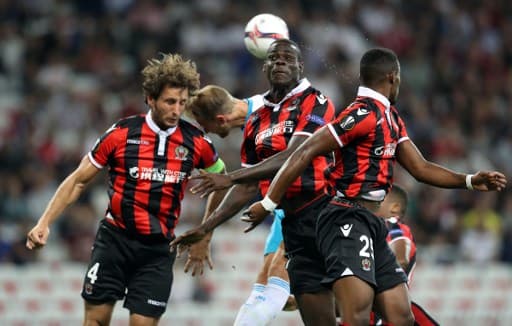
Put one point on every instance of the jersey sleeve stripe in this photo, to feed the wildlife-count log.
(94, 162)
(333, 133)
(245, 165)
(402, 139)
(406, 239)
(302, 133)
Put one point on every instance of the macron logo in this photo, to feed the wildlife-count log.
(321, 99)
(362, 111)
(345, 229)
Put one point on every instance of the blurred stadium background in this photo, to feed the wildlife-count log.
(69, 69)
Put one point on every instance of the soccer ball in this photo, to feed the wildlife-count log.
(261, 31)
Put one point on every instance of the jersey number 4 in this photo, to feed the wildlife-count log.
(92, 274)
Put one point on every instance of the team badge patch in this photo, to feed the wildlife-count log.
(88, 288)
(181, 153)
(366, 264)
(347, 123)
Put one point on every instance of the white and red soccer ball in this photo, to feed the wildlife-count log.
(261, 31)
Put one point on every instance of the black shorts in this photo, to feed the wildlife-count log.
(353, 241)
(124, 267)
(305, 265)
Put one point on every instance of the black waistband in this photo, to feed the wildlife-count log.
(156, 238)
(357, 202)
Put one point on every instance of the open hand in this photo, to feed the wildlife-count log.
(255, 214)
(186, 239)
(489, 181)
(209, 182)
(198, 253)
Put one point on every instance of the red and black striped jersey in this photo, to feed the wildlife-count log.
(148, 170)
(368, 132)
(269, 129)
(400, 231)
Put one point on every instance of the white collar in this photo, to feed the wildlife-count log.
(368, 92)
(303, 85)
(152, 125)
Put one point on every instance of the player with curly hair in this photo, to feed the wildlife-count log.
(149, 158)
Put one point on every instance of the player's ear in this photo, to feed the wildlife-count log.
(221, 118)
(395, 209)
(392, 77)
(150, 101)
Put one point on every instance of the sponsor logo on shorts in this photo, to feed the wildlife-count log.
(366, 264)
(157, 303)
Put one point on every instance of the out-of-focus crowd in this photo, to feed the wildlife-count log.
(69, 69)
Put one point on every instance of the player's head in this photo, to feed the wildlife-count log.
(380, 67)
(394, 204)
(167, 84)
(283, 65)
(210, 107)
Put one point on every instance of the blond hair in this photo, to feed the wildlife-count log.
(172, 70)
(210, 101)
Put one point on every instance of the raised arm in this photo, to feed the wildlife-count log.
(236, 198)
(400, 248)
(67, 193)
(320, 143)
(265, 169)
(425, 171)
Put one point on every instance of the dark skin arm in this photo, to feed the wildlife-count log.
(232, 203)
(433, 174)
(320, 143)
(199, 252)
(211, 182)
(399, 248)
(408, 156)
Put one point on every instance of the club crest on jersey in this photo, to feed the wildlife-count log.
(347, 122)
(366, 264)
(181, 153)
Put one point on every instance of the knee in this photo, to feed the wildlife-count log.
(404, 318)
(98, 315)
(357, 318)
(91, 321)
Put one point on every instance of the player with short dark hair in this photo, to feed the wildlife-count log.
(367, 137)
(293, 110)
(149, 158)
(401, 242)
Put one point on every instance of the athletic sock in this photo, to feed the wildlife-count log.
(276, 294)
(274, 298)
(257, 295)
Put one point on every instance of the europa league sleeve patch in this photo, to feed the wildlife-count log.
(347, 122)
